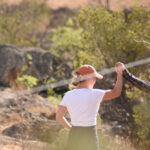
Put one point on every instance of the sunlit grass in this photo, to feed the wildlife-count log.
(107, 142)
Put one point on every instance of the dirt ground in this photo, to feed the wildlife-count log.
(76, 4)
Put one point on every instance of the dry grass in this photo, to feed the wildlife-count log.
(8, 143)
(107, 142)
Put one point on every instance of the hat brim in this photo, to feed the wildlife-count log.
(99, 76)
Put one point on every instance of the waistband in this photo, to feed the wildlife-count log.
(85, 127)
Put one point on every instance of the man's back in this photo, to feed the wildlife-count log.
(82, 105)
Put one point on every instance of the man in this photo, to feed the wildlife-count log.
(82, 104)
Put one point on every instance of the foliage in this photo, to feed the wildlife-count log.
(142, 119)
(67, 44)
(19, 24)
(52, 96)
(66, 40)
(111, 38)
(28, 80)
(141, 113)
(54, 99)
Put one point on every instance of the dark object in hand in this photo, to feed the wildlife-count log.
(141, 84)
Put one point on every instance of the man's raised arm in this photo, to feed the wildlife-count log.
(116, 91)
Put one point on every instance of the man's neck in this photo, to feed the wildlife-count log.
(86, 87)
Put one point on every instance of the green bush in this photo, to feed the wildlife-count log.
(27, 80)
(142, 119)
(110, 38)
(66, 41)
(19, 24)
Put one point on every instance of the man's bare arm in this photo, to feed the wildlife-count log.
(116, 92)
(60, 117)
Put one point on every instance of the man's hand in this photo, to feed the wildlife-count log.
(119, 67)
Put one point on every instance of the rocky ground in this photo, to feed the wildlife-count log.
(26, 121)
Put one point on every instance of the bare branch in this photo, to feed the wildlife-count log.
(143, 41)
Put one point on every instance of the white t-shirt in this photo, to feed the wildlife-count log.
(83, 105)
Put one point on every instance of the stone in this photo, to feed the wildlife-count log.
(11, 62)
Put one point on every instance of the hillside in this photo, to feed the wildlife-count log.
(114, 4)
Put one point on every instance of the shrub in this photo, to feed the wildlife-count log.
(19, 24)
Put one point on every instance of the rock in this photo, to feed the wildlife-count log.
(11, 62)
(46, 131)
(25, 106)
(41, 64)
(46, 66)
(41, 130)
(27, 117)
(17, 130)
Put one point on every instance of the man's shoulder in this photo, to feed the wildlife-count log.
(70, 92)
(98, 90)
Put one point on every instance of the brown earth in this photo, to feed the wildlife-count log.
(114, 4)
(24, 119)
(76, 4)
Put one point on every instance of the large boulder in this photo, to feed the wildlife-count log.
(38, 63)
(45, 66)
(11, 62)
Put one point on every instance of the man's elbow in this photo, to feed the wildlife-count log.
(58, 118)
(111, 94)
(117, 94)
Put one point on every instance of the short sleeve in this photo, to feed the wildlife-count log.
(100, 94)
(63, 102)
